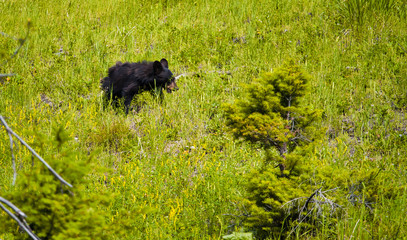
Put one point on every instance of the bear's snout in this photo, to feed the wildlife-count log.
(172, 87)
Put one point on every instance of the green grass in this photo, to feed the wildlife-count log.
(177, 157)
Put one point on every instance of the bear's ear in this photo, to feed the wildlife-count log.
(158, 68)
(164, 62)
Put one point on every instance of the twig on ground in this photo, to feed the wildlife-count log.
(7, 75)
(21, 40)
(194, 73)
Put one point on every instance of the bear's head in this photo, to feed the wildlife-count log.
(163, 75)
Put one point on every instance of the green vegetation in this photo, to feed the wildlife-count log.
(292, 191)
(173, 170)
(271, 115)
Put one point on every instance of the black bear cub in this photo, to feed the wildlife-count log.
(125, 80)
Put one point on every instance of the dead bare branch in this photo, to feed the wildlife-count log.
(20, 40)
(12, 158)
(197, 73)
(309, 199)
(318, 200)
(7, 75)
(19, 217)
(8, 129)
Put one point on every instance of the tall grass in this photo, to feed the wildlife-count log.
(175, 160)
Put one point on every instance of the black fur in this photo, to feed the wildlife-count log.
(125, 80)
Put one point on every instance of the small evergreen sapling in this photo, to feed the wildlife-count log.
(271, 114)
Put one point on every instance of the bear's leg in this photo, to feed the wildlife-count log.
(127, 102)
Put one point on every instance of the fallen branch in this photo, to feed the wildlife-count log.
(19, 217)
(21, 40)
(7, 75)
(12, 157)
(317, 205)
(308, 200)
(197, 73)
(8, 129)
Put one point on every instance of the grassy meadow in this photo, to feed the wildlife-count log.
(174, 164)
